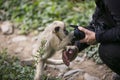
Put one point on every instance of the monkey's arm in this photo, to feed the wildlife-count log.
(67, 40)
(48, 49)
(48, 54)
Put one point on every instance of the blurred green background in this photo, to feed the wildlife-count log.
(30, 15)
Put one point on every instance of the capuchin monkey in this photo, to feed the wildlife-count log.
(55, 37)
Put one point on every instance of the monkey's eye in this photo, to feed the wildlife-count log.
(57, 29)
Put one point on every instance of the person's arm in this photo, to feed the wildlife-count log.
(81, 45)
(107, 35)
(111, 35)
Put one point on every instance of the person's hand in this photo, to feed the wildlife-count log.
(89, 36)
(69, 54)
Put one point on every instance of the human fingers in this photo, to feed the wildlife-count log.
(83, 29)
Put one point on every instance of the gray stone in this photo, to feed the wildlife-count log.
(79, 59)
(89, 77)
(61, 68)
(18, 50)
(7, 27)
(71, 72)
(34, 39)
(19, 38)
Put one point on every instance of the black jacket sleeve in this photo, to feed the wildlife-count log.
(108, 36)
(109, 32)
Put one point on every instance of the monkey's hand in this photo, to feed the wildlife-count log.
(69, 54)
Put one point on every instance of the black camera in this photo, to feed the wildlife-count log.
(96, 27)
(78, 35)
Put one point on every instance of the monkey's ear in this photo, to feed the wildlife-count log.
(57, 29)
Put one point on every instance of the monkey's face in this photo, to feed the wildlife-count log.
(60, 29)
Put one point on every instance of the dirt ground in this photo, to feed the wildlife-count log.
(23, 50)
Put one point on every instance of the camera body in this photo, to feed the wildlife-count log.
(78, 35)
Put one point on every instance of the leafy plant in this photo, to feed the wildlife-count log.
(92, 52)
(10, 69)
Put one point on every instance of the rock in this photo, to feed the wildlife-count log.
(71, 72)
(7, 27)
(79, 59)
(89, 77)
(18, 50)
(76, 74)
(34, 39)
(61, 68)
(19, 38)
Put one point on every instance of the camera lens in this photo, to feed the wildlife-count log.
(78, 34)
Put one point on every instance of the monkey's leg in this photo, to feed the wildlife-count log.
(39, 70)
(54, 62)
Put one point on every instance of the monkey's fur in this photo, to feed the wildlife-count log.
(52, 39)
